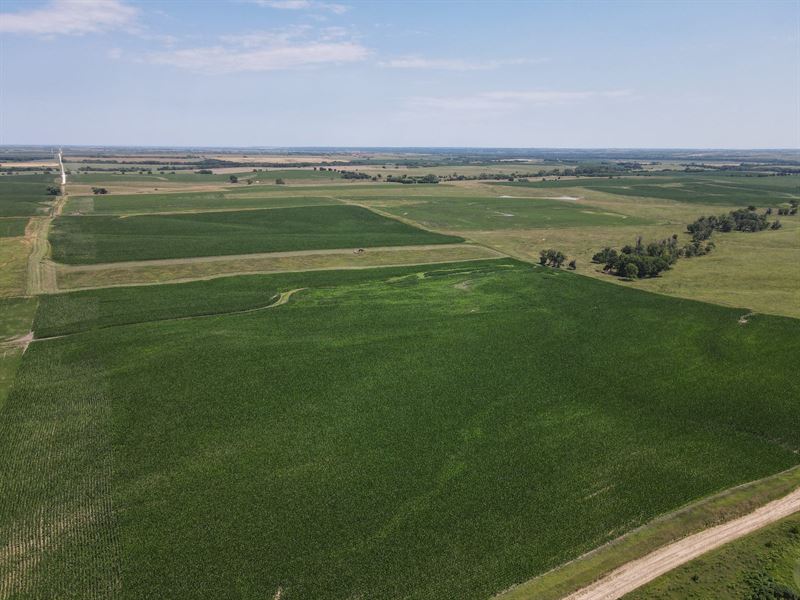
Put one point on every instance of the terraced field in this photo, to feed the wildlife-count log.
(87, 240)
(436, 432)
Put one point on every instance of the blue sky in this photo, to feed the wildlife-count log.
(350, 73)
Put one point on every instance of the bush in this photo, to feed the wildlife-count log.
(552, 258)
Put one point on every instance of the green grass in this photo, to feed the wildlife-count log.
(12, 227)
(738, 571)
(733, 190)
(86, 240)
(186, 201)
(439, 434)
(24, 195)
(471, 213)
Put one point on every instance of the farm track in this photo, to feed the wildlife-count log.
(41, 271)
(641, 571)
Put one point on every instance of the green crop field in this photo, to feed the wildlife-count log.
(98, 239)
(420, 432)
(733, 190)
(24, 195)
(468, 213)
(187, 201)
(12, 227)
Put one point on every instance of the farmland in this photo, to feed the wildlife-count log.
(223, 399)
(83, 240)
(406, 411)
(23, 195)
(188, 202)
(701, 189)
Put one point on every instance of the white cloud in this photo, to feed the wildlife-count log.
(456, 64)
(510, 100)
(304, 5)
(226, 59)
(69, 17)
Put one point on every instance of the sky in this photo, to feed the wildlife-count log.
(283, 73)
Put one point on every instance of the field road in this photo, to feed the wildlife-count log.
(643, 570)
(63, 172)
(41, 271)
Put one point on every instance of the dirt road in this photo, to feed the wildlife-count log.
(641, 571)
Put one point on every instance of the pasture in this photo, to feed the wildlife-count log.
(425, 432)
(100, 239)
(459, 213)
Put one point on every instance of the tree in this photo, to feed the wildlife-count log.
(279, 181)
(233, 179)
(53, 190)
(776, 224)
(543, 257)
(631, 271)
(573, 264)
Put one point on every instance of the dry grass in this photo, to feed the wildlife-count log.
(190, 269)
(13, 266)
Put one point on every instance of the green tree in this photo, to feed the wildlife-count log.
(631, 271)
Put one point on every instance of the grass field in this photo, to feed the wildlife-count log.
(694, 188)
(754, 567)
(13, 266)
(86, 240)
(468, 213)
(434, 432)
(89, 276)
(176, 202)
(24, 195)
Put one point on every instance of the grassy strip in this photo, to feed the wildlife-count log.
(695, 517)
(153, 274)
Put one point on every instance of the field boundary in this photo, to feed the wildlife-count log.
(591, 567)
(278, 272)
